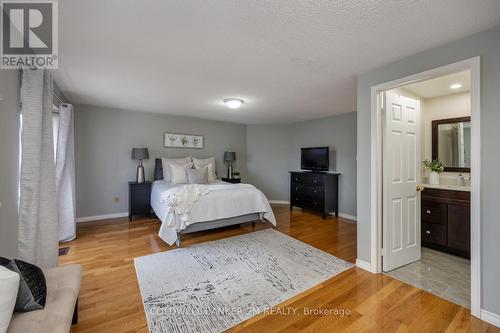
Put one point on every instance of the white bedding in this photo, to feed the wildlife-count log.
(223, 200)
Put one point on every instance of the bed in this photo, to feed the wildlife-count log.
(225, 204)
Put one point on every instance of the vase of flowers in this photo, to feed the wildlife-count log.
(435, 167)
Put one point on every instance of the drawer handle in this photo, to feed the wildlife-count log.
(428, 211)
(315, 191)
(296, 179)
(296, 188)
(316, 203)
(428, 232)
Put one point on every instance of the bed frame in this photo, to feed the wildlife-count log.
(201, 226)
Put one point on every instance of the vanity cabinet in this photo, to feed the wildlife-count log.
(446, 221)
(459, 228)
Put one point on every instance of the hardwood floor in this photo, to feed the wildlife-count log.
(110, 299)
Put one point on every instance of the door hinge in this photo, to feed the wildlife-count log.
(382, 252)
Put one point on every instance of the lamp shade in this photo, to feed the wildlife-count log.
(229, 156)
(140, 154)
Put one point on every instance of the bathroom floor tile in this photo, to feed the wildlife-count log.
(439, 273)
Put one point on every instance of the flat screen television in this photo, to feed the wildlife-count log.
(315, 158)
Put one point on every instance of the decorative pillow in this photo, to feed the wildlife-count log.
(178, 173)
(203, 162)
(9, 285)
(198, 176)
(166, 161)
(32, 291)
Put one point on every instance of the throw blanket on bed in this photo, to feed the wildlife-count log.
(180, 201)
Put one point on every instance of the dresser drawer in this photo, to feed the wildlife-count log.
(313, 204)
(434, 212)
(308, 191)
(307, 179)
(307, 202)
(297, 200)
(434, 233)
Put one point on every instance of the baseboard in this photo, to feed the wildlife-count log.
(490, 317)
(279, 202)
(347, 216)
(363, 265)
(343, 215)
(101, 217)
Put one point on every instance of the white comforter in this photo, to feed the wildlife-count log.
(223, 200)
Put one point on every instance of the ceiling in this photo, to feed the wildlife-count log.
(289, 60)
(440, 86)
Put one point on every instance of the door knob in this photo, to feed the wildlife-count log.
(420, 188)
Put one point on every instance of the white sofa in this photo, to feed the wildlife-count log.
(61, 307)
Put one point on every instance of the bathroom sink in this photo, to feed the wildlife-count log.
(448, 187)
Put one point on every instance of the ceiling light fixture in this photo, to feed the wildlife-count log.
(233, 103)
(455, 86)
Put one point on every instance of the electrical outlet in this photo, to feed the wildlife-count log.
(116, 200)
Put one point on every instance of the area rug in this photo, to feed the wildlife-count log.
(213, 286)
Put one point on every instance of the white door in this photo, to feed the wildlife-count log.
(401, 176)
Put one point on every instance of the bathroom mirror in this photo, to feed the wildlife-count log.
(451, 143)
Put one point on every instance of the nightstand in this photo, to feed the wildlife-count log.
(139, 202)
(232, 180)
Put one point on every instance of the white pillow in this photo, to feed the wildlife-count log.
(166, 161)
(178, 173)
(203, 162)
(198, 176)
(9, 284)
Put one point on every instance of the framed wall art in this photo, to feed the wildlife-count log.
(174, 140)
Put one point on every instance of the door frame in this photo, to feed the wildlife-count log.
(474, 65)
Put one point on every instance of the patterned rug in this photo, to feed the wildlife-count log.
(213, 286)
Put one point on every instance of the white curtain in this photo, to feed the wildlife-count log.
(65, 173)
(38, 225)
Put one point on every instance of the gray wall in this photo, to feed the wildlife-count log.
(268, 159)
(486, 45)
(103, 141)
(338, 132)
(9, 120)
(273, 150)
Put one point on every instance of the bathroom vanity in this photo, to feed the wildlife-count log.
(446, 218)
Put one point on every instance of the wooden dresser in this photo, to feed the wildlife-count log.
(318, 192)
(446, 221)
